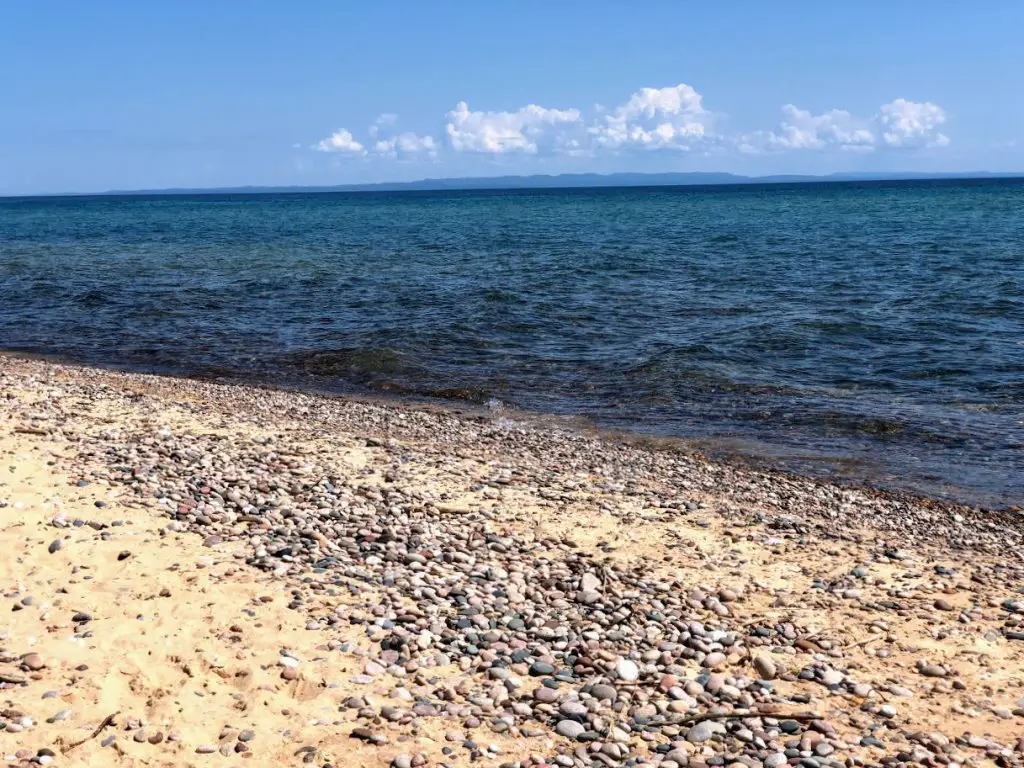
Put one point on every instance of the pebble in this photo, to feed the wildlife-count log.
(765, 667)
(33, 661)
(627, 670)
(704, 731)
(832, 677)
(571, 729)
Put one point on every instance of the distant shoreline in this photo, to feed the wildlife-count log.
(553, 182)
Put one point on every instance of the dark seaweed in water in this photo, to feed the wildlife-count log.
(871, 331)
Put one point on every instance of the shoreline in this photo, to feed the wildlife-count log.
(690, 447)
(282, 578)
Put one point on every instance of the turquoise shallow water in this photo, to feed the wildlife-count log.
(867, 331)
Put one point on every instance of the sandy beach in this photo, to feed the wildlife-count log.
(199, 574)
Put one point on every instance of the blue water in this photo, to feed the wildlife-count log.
(865, 331)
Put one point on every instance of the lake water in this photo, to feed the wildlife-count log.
(870, 331)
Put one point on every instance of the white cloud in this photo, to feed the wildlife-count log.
(341, 141)
(899, 123)
(526, 130)
(405, 145)
(912, 124)
(655, 118)
(670, 118)
(387, 118)
(802, 130)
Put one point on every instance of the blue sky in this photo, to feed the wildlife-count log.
(115, 94)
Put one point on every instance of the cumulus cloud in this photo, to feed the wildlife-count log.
(401, 145)
(899, 123)
(670, 118)
(526, 130)
(406, 144)
(655, 118)
(341, 141)
(385, 119)
(800, 129)
(912, 124)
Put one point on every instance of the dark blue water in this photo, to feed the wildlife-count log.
(870, 331)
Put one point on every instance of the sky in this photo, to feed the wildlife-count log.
(115, 94)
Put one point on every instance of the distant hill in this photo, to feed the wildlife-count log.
(574, 180)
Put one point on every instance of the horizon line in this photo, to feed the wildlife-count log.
(480, 183)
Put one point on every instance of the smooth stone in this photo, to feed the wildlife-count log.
(703, 731)
(33, 661)
(715, 660)
(541, 669)
(570, 729)
(932, 670)
(627, 670)
(545, 695)
(590, 583)
(765, 667)
(602, 692)
(832, 677)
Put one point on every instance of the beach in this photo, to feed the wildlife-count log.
(210, 574)
(858, 332)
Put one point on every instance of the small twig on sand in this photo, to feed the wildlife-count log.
(107, 721)
(865, 642)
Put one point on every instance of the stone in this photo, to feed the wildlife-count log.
(931, 670)
(832, 678)
(627, 670)
(570, 729)
(33, 661)
(604, 692)
(590, 583)
(704, 731)
(765, 667)
(715, 660)
(545, 695)
(541, 669)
